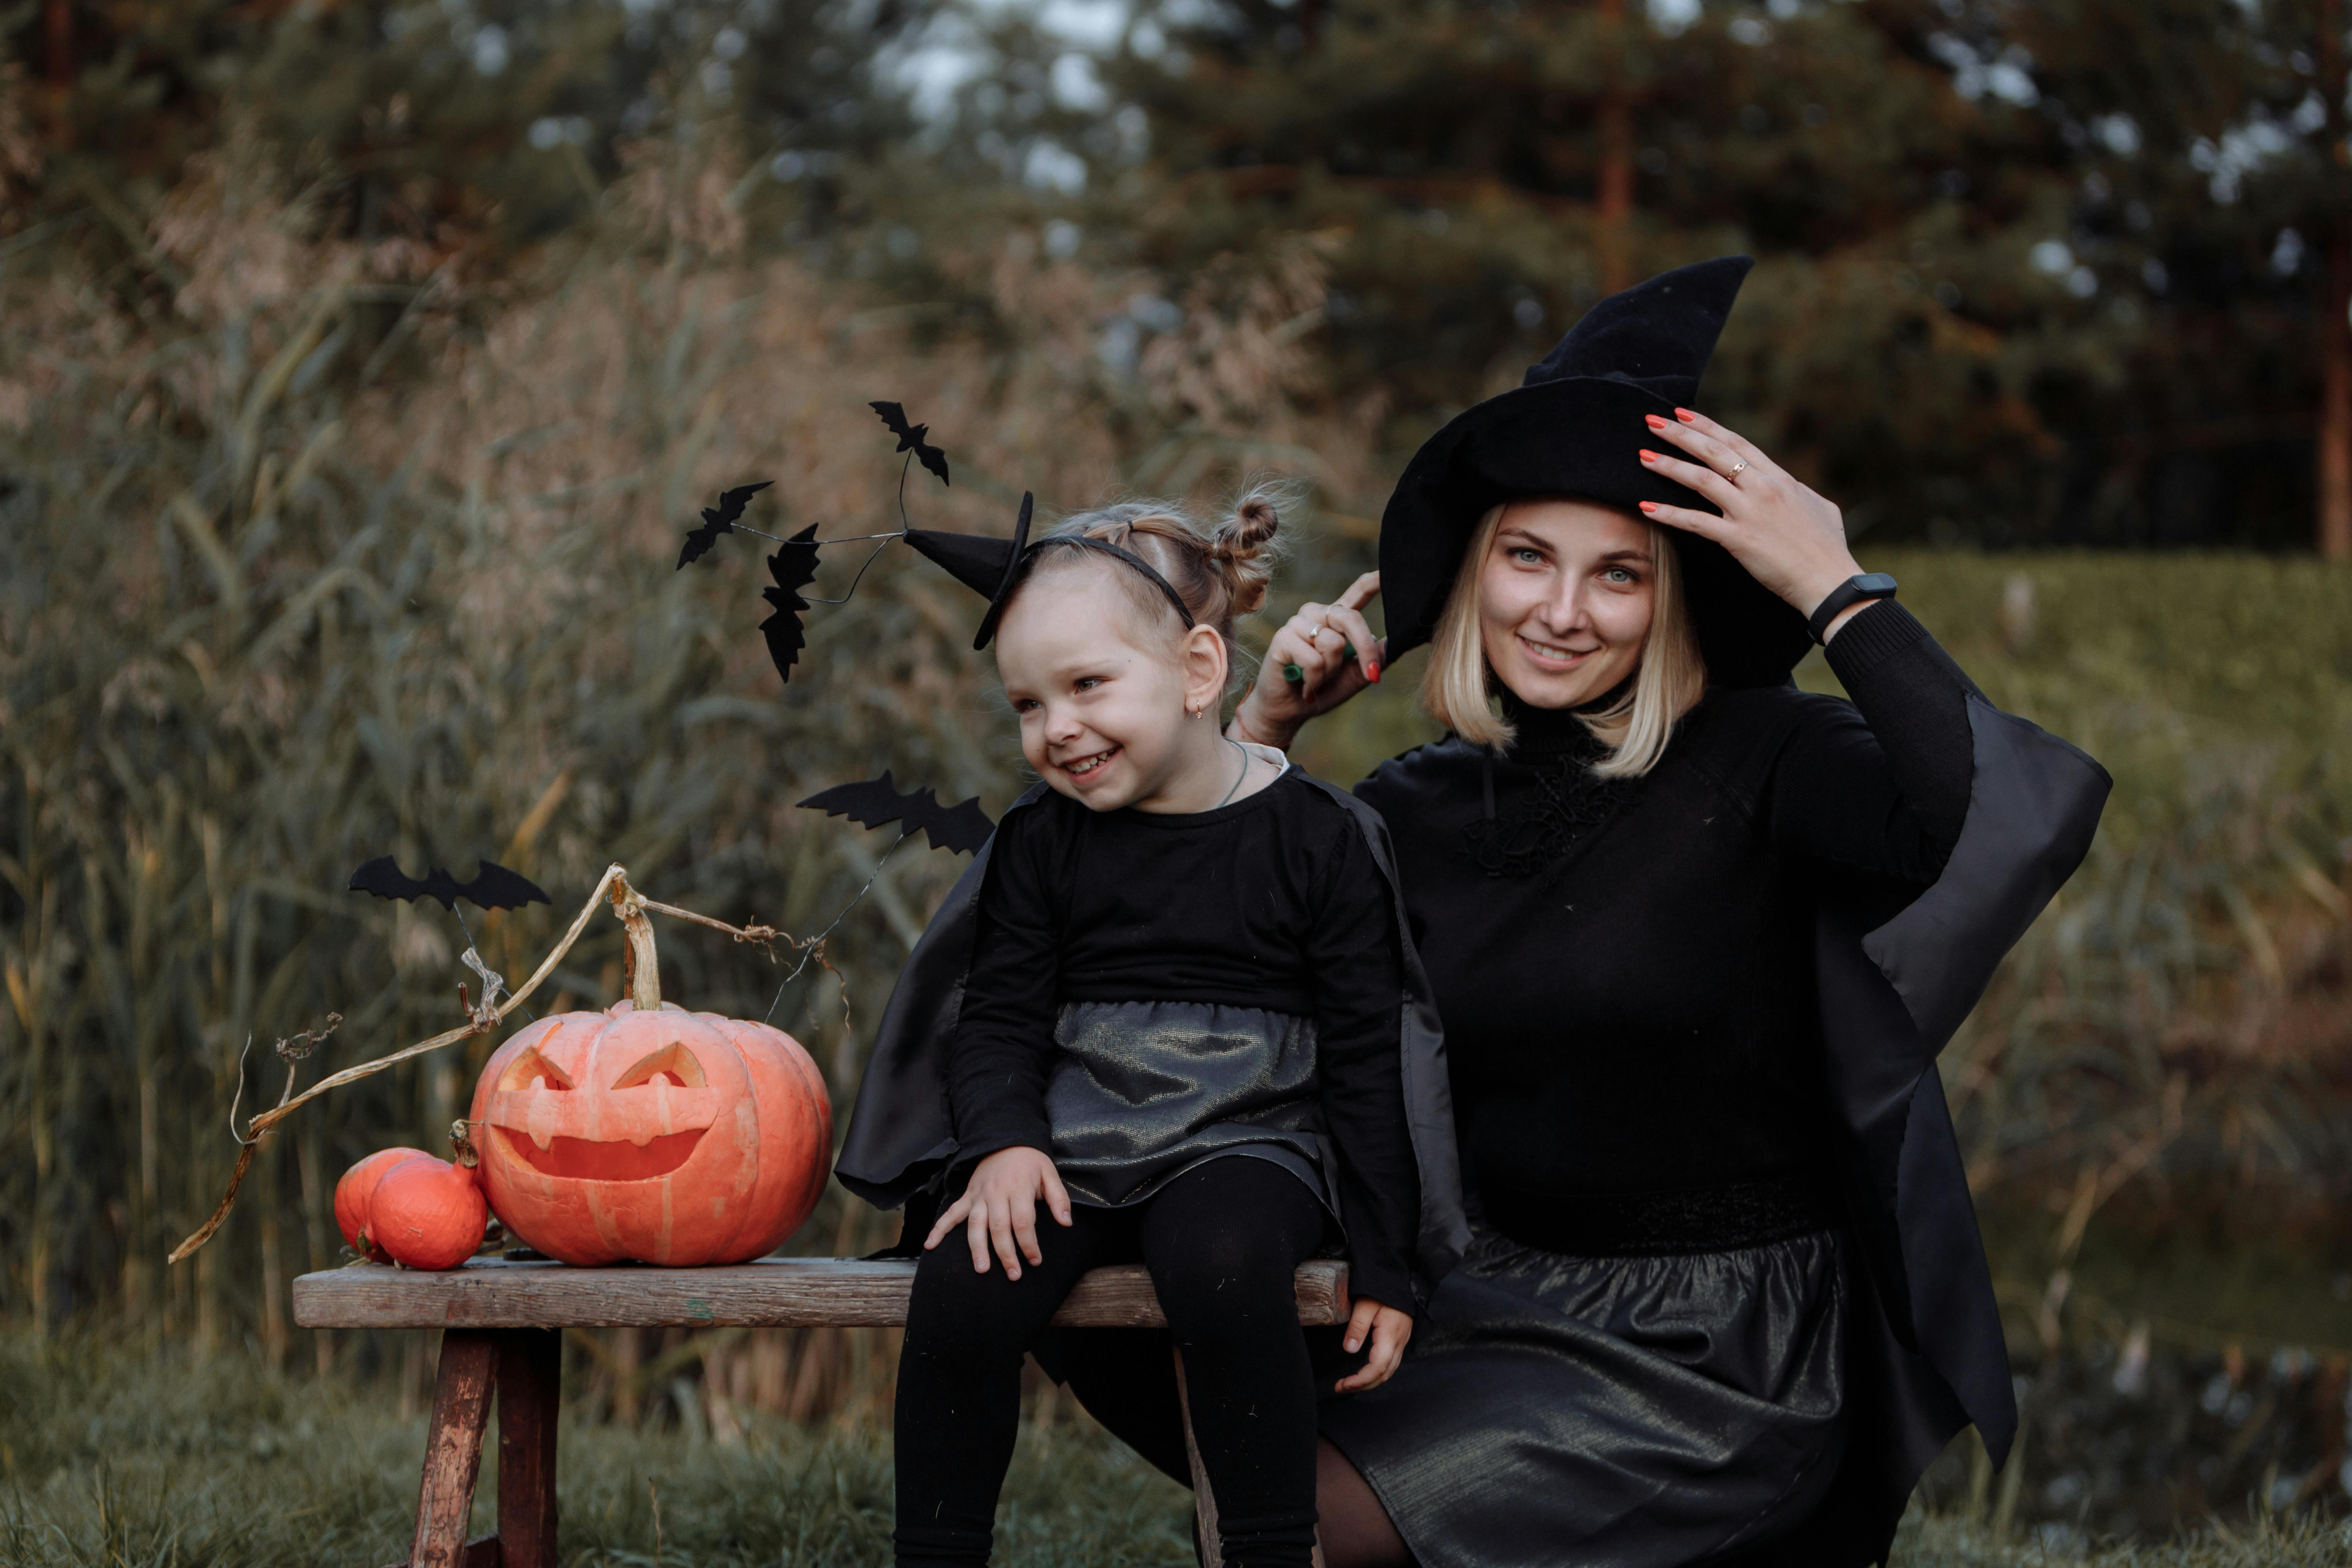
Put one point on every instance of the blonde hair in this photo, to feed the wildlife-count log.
(1221, 571)
(1458, 688)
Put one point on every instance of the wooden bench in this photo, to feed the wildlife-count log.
(503, 1325)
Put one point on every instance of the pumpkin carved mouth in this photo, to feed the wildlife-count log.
(644, 1127)
(586, 1159)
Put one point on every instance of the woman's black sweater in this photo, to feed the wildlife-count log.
(1625, 967)
(1272, 902)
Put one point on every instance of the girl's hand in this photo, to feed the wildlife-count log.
(1316, 642)
(1789, 539)
(1388, 1328)
(999, 1206)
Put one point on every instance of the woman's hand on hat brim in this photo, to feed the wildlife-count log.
(1327, 644)
(1789, 538)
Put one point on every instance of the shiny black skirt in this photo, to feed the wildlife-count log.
(1637, 1412)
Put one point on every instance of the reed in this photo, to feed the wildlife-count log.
(276, 605)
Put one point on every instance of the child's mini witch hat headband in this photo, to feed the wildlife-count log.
(993, 568)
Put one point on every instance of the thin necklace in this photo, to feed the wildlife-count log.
(1236, 745)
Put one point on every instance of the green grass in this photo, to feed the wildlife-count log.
(128, 1460)
(134, 1461)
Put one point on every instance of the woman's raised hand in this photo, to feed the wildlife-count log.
(1789, 539)
(999, 1208)
(1316, 642)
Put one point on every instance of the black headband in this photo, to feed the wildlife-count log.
(1087, 542)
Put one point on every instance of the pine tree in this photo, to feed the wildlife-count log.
(2023, 272)
(472, 126)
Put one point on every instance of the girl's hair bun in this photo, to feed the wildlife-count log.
(1240, 549)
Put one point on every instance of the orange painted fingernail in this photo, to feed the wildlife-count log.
(1653, 422)
(1373, 672)
(1648, 456)
(1684, 415)
(1649, 506)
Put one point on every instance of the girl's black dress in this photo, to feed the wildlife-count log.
(1200, 1017)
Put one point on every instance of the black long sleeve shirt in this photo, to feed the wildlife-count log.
(1625, 969)
(1272, 902)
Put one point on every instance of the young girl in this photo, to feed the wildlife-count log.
(1188, 1026)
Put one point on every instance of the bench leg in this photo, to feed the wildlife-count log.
(531, 1387)
(453, 1451)
(1204, 1502)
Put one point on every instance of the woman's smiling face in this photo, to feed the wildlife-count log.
(1564, 596)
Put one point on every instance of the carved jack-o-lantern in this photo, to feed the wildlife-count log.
(661, 1136)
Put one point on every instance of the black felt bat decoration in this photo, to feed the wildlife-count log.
(910, 438)
(493, 886)
(717, 520)
(876, 802)
(794, 566)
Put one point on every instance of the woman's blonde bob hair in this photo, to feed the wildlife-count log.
(1459, 690)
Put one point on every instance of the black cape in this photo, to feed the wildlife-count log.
(901, 1136)
(1927, 1356)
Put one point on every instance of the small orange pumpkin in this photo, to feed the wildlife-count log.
(660, 1136)
(351, 1195)
(429, 1214)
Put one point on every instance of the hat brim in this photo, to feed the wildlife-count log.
(1581, 437)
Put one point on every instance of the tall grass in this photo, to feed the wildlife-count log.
(275, 605)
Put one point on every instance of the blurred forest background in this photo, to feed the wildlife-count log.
(361, 363)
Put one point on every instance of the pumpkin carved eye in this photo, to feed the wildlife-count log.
(531, 1070)
(673, 1066)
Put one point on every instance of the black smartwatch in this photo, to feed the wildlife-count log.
(1852, 591)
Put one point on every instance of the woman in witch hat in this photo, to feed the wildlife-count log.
(1695, 938)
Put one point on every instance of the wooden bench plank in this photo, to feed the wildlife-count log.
(491, 1292)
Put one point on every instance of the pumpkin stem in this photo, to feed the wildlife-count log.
(639, 963)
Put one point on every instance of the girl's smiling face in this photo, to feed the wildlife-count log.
(1564, 596)
(1106, 700)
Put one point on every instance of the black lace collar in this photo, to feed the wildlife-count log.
(1550, 733)
(1568, 802)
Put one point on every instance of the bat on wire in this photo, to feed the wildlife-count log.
(720, 519)
(910, 438)
(793, 567)
(493, 886)
(876, 803)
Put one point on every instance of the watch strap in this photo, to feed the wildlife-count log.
(1852, 591)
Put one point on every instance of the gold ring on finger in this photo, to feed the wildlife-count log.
(1736, 467)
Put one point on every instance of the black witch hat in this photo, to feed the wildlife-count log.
(993, 567)
(1574, 427)
(987, 565)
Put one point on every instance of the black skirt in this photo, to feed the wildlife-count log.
(1637, 1412)
(1141, 1092)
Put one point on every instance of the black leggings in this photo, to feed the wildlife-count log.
(1222, 1241)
